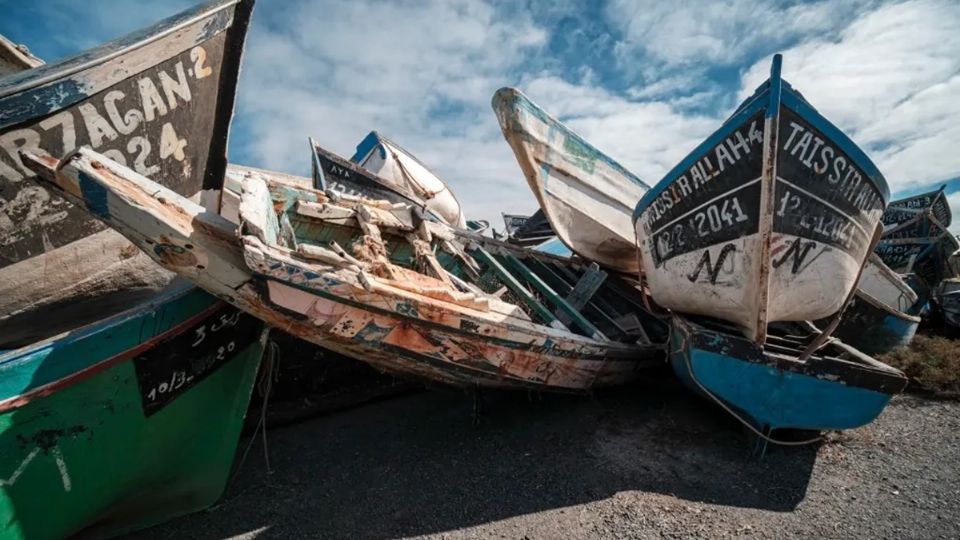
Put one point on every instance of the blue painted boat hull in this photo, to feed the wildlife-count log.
(873, 328)
(771, 390)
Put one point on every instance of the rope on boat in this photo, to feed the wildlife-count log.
(265, 386)
(739, 418)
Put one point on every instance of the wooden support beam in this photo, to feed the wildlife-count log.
(569, 312)
(511, 282)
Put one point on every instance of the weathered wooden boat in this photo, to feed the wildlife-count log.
(160, 100)
(927, 257)
(781, 384)
(126, 422)
(15, 58)
(948, 302)
(527, 230)
(388, 161)
(918, 216)
(342, 272)
(770, 219)
(917, 238)
(884, 313)
(587, 196)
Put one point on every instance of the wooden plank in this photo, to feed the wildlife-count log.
(570, 312)
(587, 286)
(598, 306)
(511, 282)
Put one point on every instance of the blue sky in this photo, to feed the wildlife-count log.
(645, 81)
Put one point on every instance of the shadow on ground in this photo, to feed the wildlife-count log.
(418, 464)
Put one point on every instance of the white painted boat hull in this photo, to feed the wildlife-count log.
(770, 219)
(404, 172)
(587, 197)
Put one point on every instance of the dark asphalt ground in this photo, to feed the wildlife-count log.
(643, 461)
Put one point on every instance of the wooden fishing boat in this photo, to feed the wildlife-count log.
(917, 216)
(528, 230)
(126, 422)
(917, 238)
(770, 219)
(927, 257)
(159, 100)
(15, 58)
(388, 161)
(587, 196)
(948, 303)
(342, 272)
(884, 313)
(781, 384)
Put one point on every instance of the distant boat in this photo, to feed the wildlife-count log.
(126, 422)
(375, 281)
(883, 315)
(917, 216)
(948, 302)
(389, 161)
(769, 387)
(15, 58)
(917, 238)
(160, 100)
(587, 196)
(527, 230)
(770, 219)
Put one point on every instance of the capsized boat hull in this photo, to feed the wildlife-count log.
(159, 100)
(127, 422)
(410, 324)
(770, 219)
(587, 196)
(771, 390)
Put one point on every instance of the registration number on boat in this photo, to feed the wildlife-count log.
(173, 366)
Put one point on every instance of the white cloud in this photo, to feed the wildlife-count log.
(954, 200)
(422, 73)
(890, 81)
(721, 32)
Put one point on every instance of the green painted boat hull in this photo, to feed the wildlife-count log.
(85, 447)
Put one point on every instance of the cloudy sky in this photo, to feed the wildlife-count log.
(645, 81)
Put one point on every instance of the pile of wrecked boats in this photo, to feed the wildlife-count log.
(141, 273)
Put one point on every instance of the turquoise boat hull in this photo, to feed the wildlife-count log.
(836, 389)
(127, 422)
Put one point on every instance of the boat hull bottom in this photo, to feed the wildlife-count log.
(773, 398)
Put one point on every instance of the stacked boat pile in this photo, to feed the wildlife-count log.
(142, 273)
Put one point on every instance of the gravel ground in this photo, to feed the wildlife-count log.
(649, 460)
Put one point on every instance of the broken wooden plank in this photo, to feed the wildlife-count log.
(570, 312)
(588, 284)
(511, 282)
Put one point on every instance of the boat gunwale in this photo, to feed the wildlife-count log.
(82, 61)
(509, 100)
(82, 374)
(531, 328)
(820, 365)
(791, 99)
